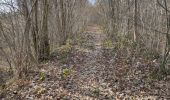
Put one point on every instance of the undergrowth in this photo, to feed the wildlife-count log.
(134, 52)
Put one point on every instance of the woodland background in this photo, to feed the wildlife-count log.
(123, 44)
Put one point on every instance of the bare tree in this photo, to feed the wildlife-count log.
(44, 49)
(31, 28)
(167, 47)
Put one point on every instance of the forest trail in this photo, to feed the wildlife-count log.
(90, 72)
(94, 74)
(85, 81)
(91, 63)
(79, 50)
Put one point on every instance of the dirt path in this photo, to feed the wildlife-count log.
(91, 66)
(96, 76)
(90, 73)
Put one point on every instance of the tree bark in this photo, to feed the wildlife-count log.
(44, 49)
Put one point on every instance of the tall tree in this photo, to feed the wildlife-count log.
(135, 20)
(44, 49)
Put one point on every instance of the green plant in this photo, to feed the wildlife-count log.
(66, 72)
(96, 92)
(39, 90)
(70, 42)
(124, 42)
(42, 76)
(108, 44)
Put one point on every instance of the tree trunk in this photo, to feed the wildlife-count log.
(135, 22)
(44, 49)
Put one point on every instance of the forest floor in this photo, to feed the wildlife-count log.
(91, 73)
